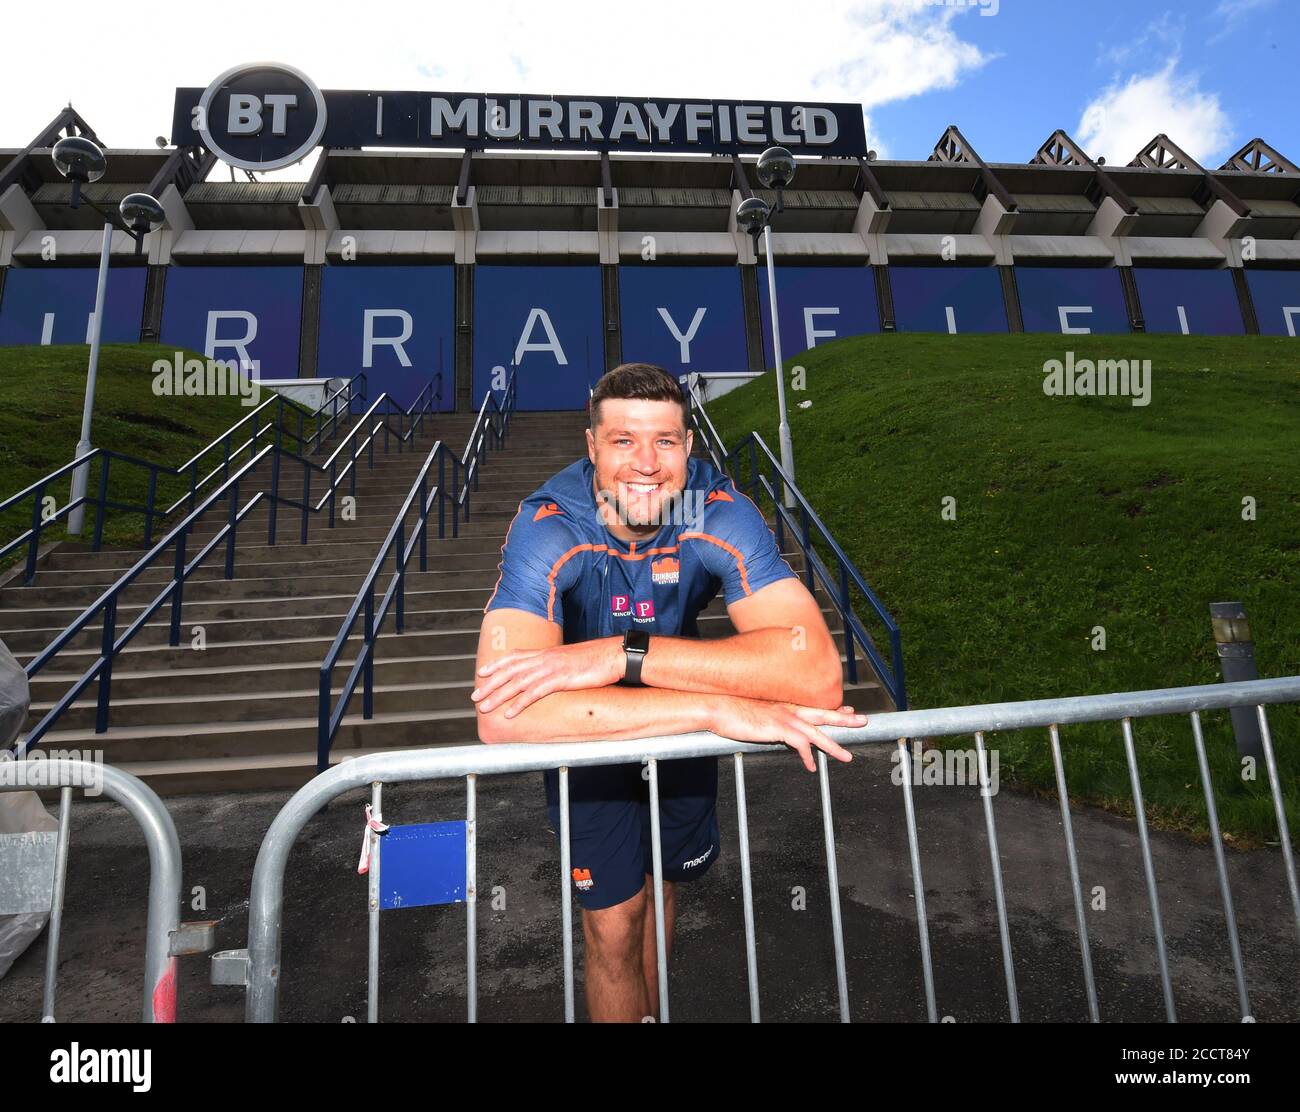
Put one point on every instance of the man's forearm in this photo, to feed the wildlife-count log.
(602, 713)
(781, 665)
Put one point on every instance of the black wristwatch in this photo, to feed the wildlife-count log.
(636, 643)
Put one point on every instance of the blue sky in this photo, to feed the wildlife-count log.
(1210, 73)
(1047, 62)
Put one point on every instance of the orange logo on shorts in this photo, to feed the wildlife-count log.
(582, 879)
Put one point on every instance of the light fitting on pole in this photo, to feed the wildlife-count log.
(752, 215)
(80, 161)
(142, 214)
(776, 171)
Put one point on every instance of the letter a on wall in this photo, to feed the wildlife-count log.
(544, 322)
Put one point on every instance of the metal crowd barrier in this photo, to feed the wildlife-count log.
(166, 938)
(259, 967)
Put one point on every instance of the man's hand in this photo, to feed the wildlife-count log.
(784, 723)
(520, 678)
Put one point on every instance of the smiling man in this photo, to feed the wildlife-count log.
(592, 634)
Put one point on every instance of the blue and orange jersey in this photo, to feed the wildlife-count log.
(561, 563)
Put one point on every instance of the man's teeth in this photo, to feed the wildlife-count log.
(643, 488)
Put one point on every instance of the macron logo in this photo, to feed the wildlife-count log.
(549, 510)
(718, 496)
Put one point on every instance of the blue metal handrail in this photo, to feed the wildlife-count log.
(492, 423)
(112, 644)
(43, 520)
(330, 713)
(837, 585)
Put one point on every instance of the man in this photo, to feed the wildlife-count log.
(591, 634)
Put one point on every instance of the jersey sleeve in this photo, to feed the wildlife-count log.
(736, 544)
(537, 562)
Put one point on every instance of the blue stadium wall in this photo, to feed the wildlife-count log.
(554, 324)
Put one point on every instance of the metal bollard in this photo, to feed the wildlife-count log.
(1237, 659)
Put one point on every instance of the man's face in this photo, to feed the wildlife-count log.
(640, 451)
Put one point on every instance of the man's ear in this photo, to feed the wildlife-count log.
(591, 447)
(690, 442)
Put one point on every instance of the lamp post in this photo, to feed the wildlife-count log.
(776, 168)
(81, 161)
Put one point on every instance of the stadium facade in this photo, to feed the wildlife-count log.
(562, 236)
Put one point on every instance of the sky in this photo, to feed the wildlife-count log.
(1212, 74)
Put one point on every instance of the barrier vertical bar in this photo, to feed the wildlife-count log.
(56, 905)
(471, 897)
(747, 889)
(233, 524)
(1225, 891)
(918, 888)
(1283, 830)
(999, 892)
(661, 945)
(833, 880)
(372, 965)
(1148, 866)
(178, 589)
(1089, 984)
(566, 900)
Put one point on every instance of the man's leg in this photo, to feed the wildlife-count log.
(616, 982)
(649, 950)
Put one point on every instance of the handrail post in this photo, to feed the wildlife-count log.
(780, 517)
(178, 587)
(807, 543)
(100, 502)
(37, 525)
(323, 708)
(194, 484)
(306, 498)
(424, 521)
(455, 493)
(846, 610)
(106, 665)
(275, 491)
(230, 536)
(368, 647)
(398, 552)
(334, 467)
(442, 493)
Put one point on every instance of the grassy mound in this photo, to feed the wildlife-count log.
(42, 390)
(1071, 513)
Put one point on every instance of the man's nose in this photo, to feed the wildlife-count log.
(646, 459)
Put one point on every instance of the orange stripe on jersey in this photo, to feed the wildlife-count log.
(634, 555)
(501, 566)
(735, 552)
(555, 570)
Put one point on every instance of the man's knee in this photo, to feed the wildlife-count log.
(615, 933)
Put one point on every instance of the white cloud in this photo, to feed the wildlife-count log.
(122, 81)
(1124, 118)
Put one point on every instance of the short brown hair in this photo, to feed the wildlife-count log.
(642, 381)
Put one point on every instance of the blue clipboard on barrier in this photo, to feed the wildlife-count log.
(422, 864)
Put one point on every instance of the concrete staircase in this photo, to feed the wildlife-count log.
(241, 712)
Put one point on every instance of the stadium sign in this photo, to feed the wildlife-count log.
(267, 115)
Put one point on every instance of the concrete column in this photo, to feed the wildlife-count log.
(464, 219)
(463, 371)
(177, 220)
(1111, 225)
(17, 218)
(996, 223)
(607, 227)
(871, 223)
(745, 254)
(320, 220)
(1224, 228)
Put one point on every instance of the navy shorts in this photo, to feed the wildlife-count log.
(609, 831)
